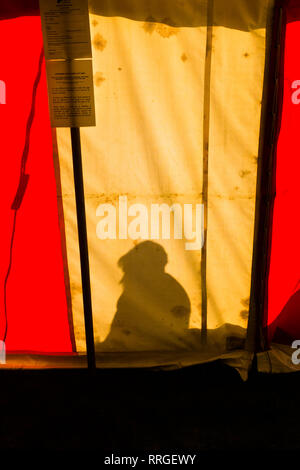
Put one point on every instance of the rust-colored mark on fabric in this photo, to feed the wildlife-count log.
(99, 42)
(163, 28)
(94, 22)
(76, 289)
(184, 57)
(119, 68)
(244, 173)
(246, 54)
(165, 31)
(149, 25)
(244, 314)
(99, 78)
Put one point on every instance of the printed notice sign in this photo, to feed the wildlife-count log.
(71, 93)
(66, 29)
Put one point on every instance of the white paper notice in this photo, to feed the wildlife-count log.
(71, 93)
(66, 29)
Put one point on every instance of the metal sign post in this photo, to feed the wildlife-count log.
(83, 246)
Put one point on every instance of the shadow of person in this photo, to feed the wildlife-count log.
(286, 327)
(153, 311)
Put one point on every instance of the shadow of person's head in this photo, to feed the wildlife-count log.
(147, 260)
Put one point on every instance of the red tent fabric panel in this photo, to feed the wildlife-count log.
(284, 276)
(37, 310)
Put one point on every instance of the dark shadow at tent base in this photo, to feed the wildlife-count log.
(226, 343)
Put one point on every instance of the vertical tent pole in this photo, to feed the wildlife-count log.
(206, 129)
(83, 246)
(256, 340)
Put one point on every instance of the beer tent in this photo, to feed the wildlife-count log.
(196, 107)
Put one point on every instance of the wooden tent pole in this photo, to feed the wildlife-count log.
(256, 335)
